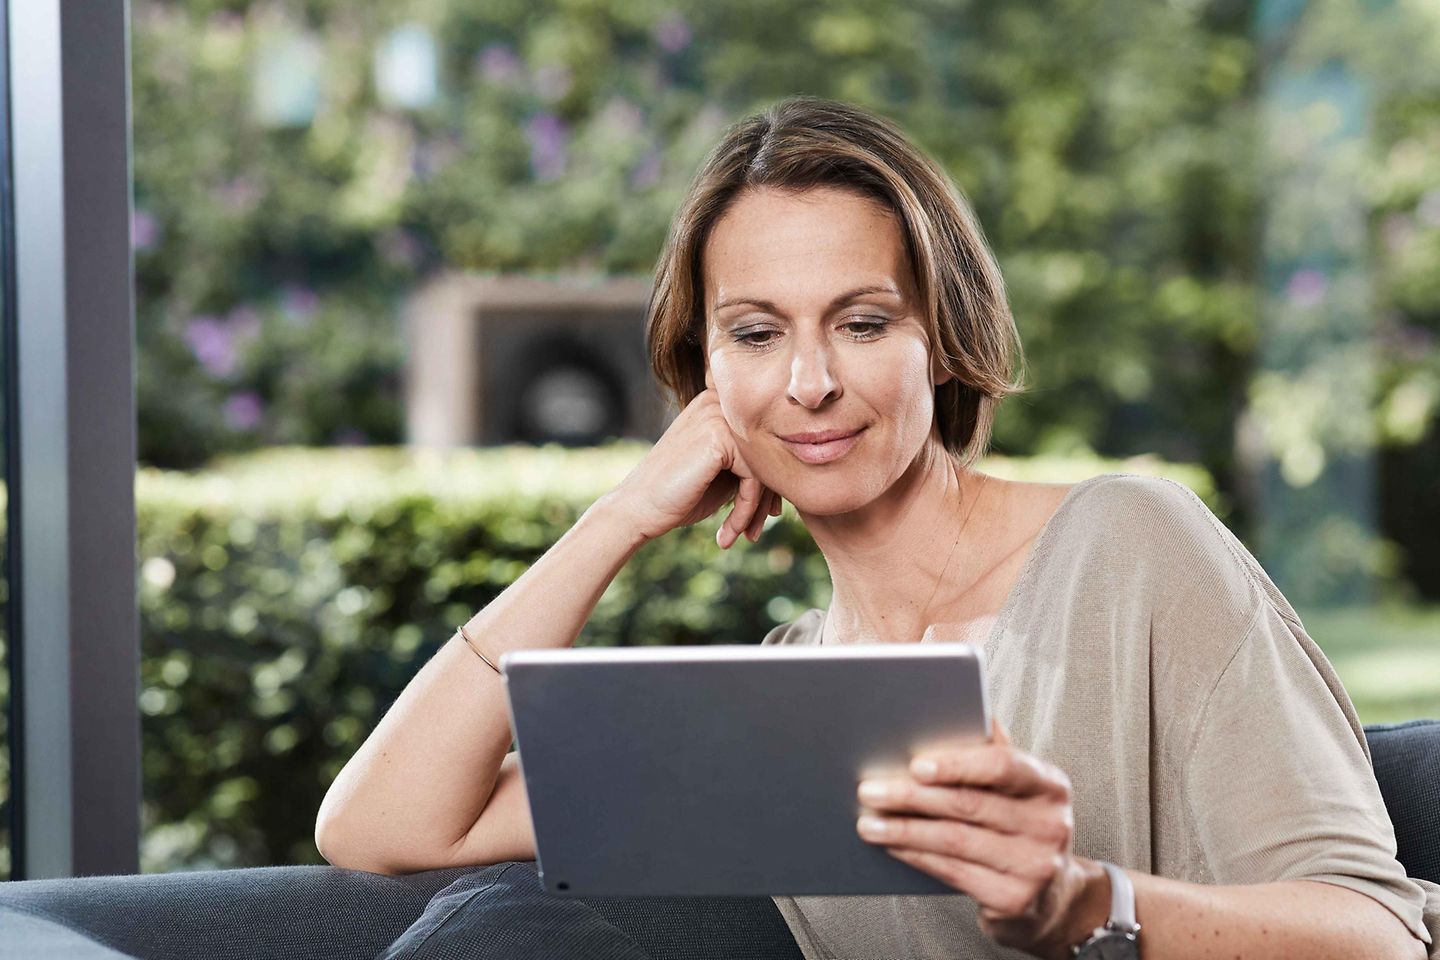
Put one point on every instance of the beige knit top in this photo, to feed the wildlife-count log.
(1145, 652)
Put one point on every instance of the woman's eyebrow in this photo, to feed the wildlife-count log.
(841, 300)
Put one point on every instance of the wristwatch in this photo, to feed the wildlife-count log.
(1117, 939)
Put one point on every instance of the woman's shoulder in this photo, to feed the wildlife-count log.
(804, 629)
(1143, 498)
(1152, 516)
(1170, 543)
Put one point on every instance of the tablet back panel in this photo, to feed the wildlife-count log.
(728, 770)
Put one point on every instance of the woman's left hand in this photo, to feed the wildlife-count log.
(993, 822)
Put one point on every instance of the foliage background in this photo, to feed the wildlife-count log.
(1117, 152)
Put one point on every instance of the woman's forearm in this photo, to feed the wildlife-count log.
(1286, 920)
(421, 779)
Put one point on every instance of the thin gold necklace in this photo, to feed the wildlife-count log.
(925, 612)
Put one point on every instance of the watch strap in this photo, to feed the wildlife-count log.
(1121, 930)
(1122, 899)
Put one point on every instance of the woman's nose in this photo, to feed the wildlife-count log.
(812, 381)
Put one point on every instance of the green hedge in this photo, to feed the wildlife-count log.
(287, 597)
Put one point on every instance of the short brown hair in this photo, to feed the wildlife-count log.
(805, 142)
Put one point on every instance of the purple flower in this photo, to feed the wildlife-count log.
(552, 82)
(434, 154)
(1413, 340)
(144, 231)
(1397, 230)
(244, 323)
(647, 171)
(1427, 211)
(299, 303)
(672, 33)
(212, 344)
(1307, 287)
(239, 194)
(244, 410)
(548, 136)
(710, 120)
(655, 76)
(622, 118)
(1404, 340)
(498, 63)
(226, 21)
(400, 248)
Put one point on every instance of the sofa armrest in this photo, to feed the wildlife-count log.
(1406, 758)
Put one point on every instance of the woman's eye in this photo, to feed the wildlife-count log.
(866, 328)
(859, 328)
(756, 338)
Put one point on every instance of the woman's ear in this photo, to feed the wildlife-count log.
(938, 373)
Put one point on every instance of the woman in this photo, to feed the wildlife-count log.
(829, 317)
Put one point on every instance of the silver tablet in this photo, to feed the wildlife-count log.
(728, 770)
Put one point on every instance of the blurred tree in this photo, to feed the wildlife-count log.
(1110, 148)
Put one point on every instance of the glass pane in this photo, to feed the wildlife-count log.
(7, 807)
(1219, 227)
(8, 811)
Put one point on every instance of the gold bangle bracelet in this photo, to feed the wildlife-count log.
(473, 646)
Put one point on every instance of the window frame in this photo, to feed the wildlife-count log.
(70, 442)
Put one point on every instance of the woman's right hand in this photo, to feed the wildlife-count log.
(692, 471)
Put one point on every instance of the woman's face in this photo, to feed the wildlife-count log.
(815, 345)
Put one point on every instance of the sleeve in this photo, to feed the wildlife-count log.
(804, 629)
(1278, 779)
(1432, 914)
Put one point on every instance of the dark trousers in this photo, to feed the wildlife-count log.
(502, 912)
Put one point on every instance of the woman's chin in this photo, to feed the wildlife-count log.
(826, 500)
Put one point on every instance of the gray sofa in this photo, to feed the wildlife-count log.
(324, 913)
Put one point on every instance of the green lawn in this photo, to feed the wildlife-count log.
(1388, 658)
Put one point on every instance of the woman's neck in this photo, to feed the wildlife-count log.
(886, 559)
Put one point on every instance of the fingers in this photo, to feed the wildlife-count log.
(754, 502)
(996, 891)
(773, 506)
(1032, 816)
(757, 524)
(748, 516)
(747, 505)
(992, 765)
(999, 735)
(1004, 853)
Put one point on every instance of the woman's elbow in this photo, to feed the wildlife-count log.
(337, 839)
(335, 846)
(1374, 929)
(343, 847)
(1413, 949)
(327, 841)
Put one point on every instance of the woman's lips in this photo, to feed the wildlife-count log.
(821, 447)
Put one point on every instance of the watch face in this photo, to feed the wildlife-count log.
(1116, 946)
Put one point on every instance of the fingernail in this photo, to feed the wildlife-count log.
(873, 790)
(925, 767)
(872, 825)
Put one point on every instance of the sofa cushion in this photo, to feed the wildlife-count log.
(296, 913)
(503, 912)
(24, 936)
